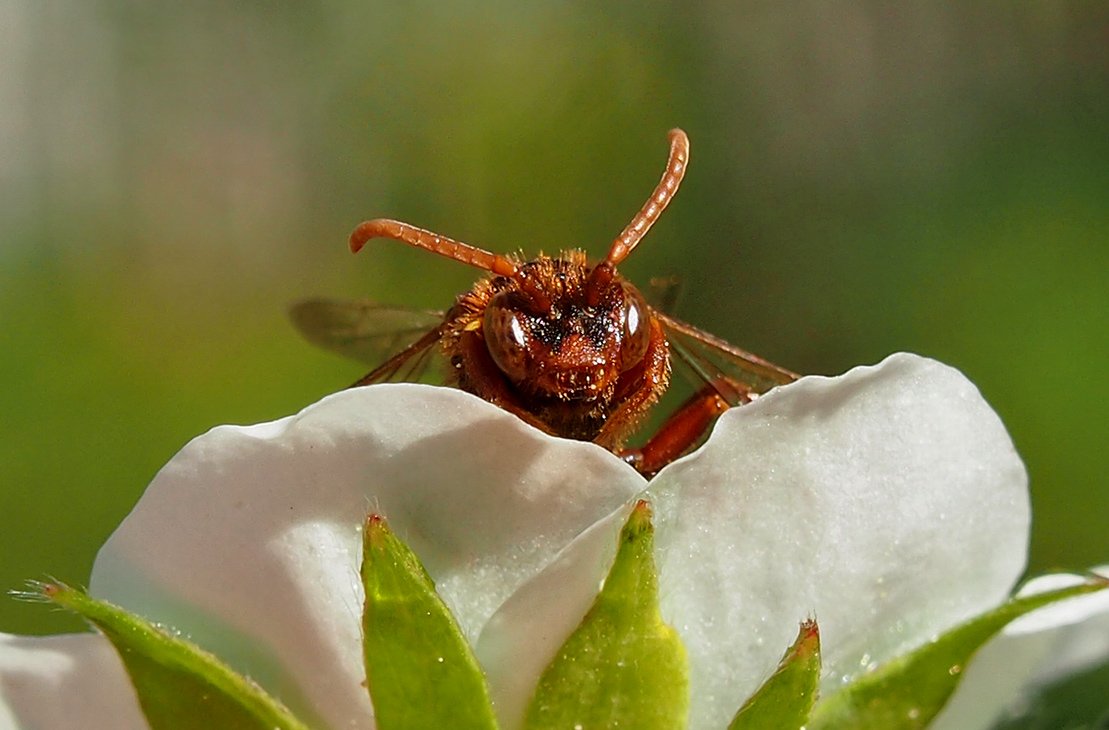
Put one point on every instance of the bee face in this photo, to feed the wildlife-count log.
(560, 330)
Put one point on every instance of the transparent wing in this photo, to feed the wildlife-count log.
(399, 342)
(735, 373)
(419, 362)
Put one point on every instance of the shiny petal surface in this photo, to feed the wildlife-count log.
(68, 682)
(248, 540)
(523, 637)
(888, 503)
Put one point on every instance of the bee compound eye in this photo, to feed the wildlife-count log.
(506, 340)
(637, 328)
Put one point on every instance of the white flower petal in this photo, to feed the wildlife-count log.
(1035, 650)
(524, 636)
(65, 683)
(249, 539)
(889, 503)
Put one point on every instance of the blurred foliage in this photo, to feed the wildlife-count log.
(1076, 704)
(864, 179)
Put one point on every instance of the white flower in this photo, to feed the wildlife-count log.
(888, 502)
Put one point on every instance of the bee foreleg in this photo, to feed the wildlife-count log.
(679, 433)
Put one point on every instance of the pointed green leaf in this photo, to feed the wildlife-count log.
(786, 698)
(179, 685)
(909, 691)
(420, 671)
(622, 667)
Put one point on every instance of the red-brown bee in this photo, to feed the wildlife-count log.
(571, 347)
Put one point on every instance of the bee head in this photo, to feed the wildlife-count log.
(562, 330)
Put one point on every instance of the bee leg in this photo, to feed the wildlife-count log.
(683, 429)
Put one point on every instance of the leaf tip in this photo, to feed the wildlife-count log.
(808, 638)
(376, 531)
(639, 521)
(51, 591)
(35, 591)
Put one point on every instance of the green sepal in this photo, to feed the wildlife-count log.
(622, 666)
(909, 691)
(179, 685)
(786, 698)
(420, 671)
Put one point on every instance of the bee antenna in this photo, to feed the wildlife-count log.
(626, 242)
(418, 237)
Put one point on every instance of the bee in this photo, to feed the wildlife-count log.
(569, 346)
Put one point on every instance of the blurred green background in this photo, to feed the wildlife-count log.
(864, 179)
